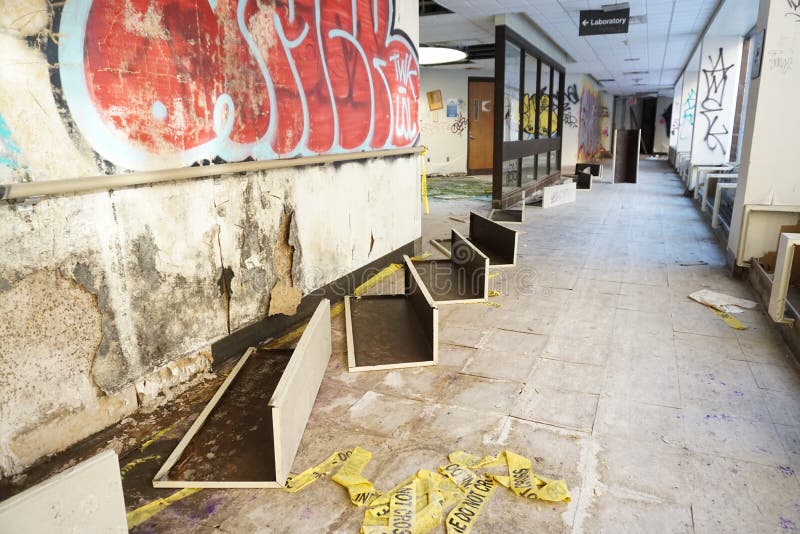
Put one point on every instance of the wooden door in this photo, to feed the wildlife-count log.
(480, 126)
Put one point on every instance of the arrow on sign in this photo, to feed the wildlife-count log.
(585, 23)
(485, 104)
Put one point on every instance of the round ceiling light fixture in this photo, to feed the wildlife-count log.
(436, 55)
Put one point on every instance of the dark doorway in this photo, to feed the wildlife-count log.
(649, 106)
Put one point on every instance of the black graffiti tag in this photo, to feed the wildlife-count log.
(794, 5)
(572, 92)
(459, 125)
(716, 82)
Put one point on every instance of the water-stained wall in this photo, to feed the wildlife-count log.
(109, 298)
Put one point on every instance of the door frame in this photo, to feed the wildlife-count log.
(471, 79)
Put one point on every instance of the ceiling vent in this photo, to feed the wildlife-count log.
(429, 7)
(636, 72)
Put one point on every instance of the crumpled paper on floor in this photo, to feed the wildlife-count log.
(722, 302)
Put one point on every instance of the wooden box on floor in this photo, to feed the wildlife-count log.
(393, 331)
(508, 215)
(558, 195)
(583, 180)
(594, 169)
(460, 279)
(248, 434)
(494, 240)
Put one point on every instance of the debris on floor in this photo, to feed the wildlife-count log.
(723, 306)
(420, 502)
(722, 302)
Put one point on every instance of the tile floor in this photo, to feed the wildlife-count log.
(659, 416)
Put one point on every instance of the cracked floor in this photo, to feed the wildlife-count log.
(593, 361)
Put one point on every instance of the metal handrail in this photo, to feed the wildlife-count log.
(10, 192)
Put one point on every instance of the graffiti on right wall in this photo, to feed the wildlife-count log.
(715, 78)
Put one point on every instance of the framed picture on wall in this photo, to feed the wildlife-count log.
(757, 43)
(435, 100)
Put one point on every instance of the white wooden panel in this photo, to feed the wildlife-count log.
(86, 498)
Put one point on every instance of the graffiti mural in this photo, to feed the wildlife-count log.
(541, 106)
(687, 118)
(164, 83)
(9, 151)
(711, 107)
(589, 142)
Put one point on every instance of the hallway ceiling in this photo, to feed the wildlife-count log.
(646, 60)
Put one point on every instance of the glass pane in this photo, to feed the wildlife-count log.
(511, 171)
(553, 161)
(530, 100)
(542, 166)
(511, 93)
(528, 170)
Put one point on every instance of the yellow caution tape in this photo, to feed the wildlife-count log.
(460, 475)
(417, 505)
(474, 462)
(361, 490)
(130, 465)
(295, 483)
(729, 319)
(424, 153)
(155, 437)
(463, 516)
(522, 481)
(143, 513)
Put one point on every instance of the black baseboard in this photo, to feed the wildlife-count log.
(272, 327)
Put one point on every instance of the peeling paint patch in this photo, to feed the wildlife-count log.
(284, 298)
(173, 379)
(51, 329)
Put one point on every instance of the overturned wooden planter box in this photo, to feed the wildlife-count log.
(594, 169)
(393, 331)
(583, 180)
(494, 240)
(508, 215)
(460, 279)
(248, 434)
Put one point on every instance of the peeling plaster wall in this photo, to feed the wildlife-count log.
(111, 299)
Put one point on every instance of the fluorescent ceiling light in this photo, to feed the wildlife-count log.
(434, 55)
